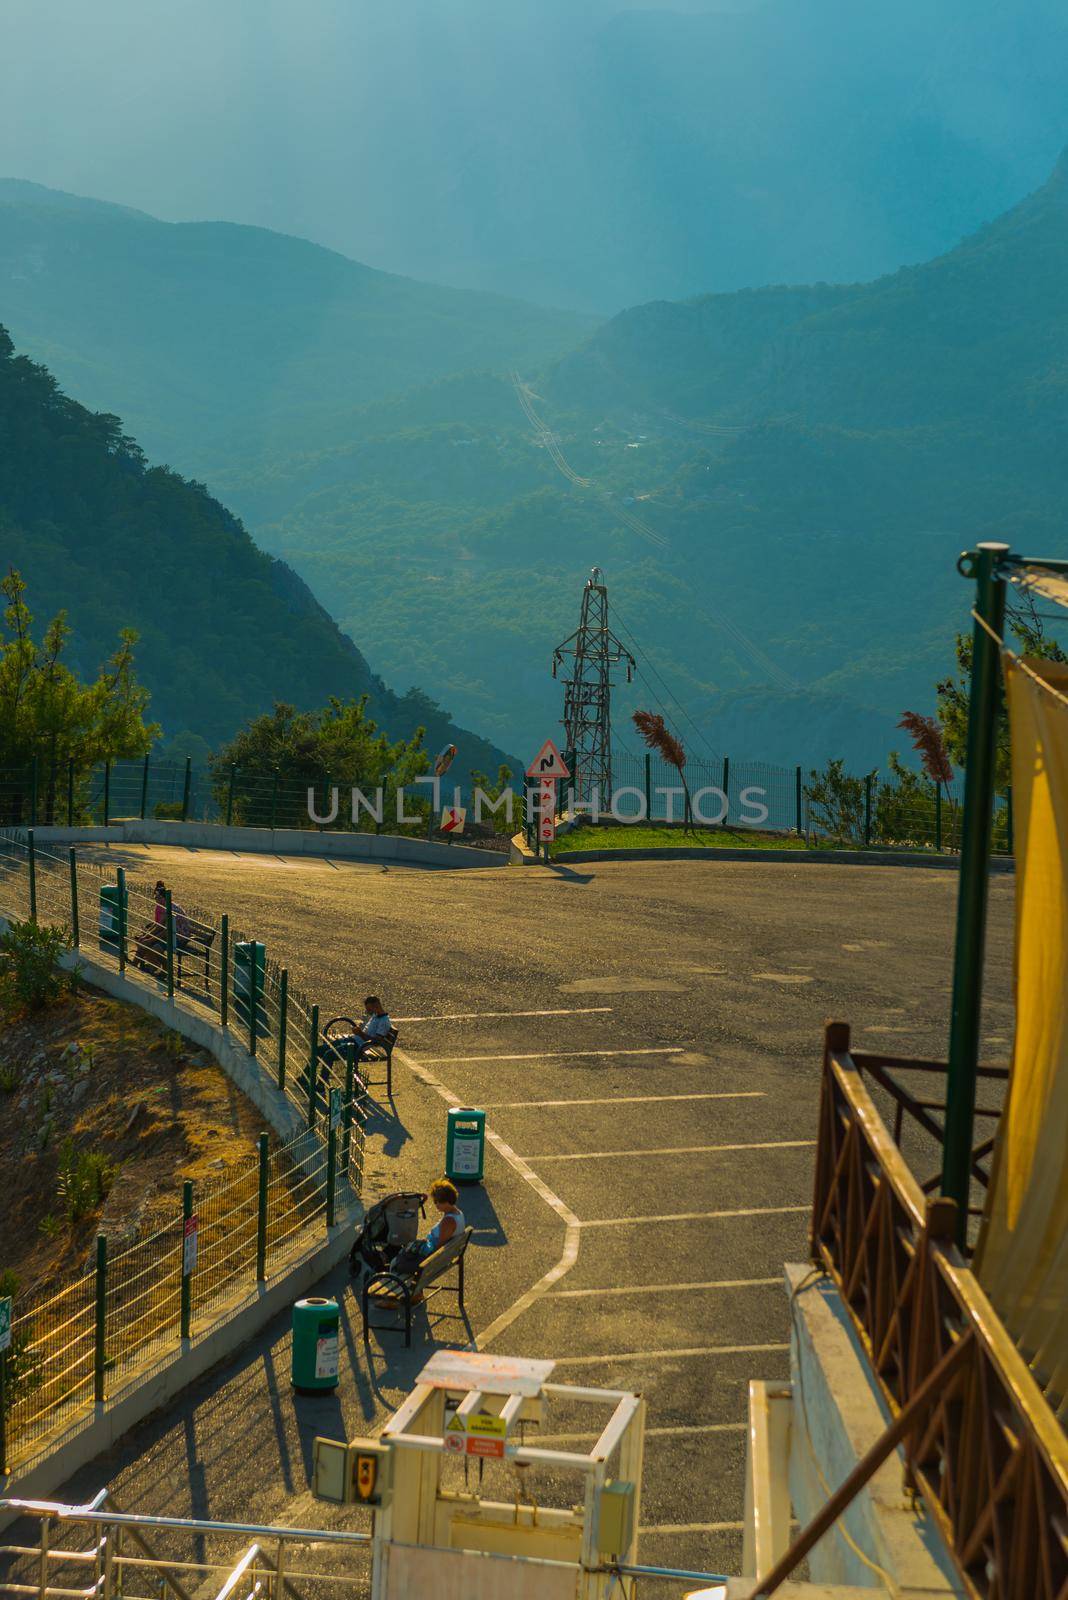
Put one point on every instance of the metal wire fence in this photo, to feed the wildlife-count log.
(70, 1348)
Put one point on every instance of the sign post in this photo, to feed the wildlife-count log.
(545, 770)
(442, 762)
(5, 1345)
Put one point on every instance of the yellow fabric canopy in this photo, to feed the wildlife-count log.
(1022, 1257)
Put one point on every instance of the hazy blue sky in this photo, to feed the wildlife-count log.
(586, 151)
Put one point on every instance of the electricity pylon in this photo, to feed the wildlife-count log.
(594, 650)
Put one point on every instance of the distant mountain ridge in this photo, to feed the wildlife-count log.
(225, 629)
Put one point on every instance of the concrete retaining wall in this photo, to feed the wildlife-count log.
(841, 858)
(383, 847)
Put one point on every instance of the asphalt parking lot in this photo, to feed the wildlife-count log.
(645, 1038)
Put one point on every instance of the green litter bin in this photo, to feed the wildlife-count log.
(316, 1345)
(250, 974)
(465, 1144)
(109, 916)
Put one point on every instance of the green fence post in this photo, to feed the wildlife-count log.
(169, 910)
(274, 799)
(350, 1089)
(727, 787)
(50, 808)
(74, 930)
(107, 792)
(70, 793)
(33, 793)
(31, 861)
(984, 705)
(938, 815)
(331, 1169)
(313, 1065)
(797, 791)
(253, 1000)
(283, 1025)
(230, 797)
(867, 806)
(224, 971)
(261, 1211)
(648, 786)
(100, 1335)
(187, 1277)
(1010, 840)
(144, 789)
(121, 881)
(3, 1413)
(186, 785)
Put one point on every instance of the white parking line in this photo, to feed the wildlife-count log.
(677, 1150)
(625, 1100)
(555, 1055)
(667, 1355)
(666, 1288)
(473, 1016)
(693, 1216)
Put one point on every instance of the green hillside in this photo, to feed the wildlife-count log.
(225, 629)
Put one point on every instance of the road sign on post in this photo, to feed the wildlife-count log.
(548, 763)
(5, 1323)
(453, 819)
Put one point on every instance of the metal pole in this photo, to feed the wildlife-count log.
(726, 787)
(187, 1277)
(1010, 841)
(983, 711)
(70, 793)
(797, 785)
(350, 1086)
(331, 1171)
(169, 910)
(144, 789)
(100, 1336)
(120, 878)
(107, 792)
(648, 786)
(867, 807)
(274, 799)
(261, 1211)
(313, 1064)
(224, 971)
(283, 1024)
(31, 858)
(74, 931)
(230, 797)
(938, 815)
(3, 1413)
(33, 793)
(186, 785)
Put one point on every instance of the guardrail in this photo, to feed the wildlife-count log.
(987, 1455)
(69, 1348)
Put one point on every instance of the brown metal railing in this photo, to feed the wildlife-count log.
(986, 1452)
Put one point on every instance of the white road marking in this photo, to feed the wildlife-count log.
(554, 1055)
(571, 1223)
(472, 1016)
(684, 1430)
(678, 1150)
(675, 1528)
(693, 1216)
(624, 1100)
(667, 1355)
(666, 1288)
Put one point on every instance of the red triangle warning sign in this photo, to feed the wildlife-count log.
(548, 763)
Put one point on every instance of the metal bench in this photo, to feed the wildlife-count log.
(333, 1049)
(196, 944)
(390, 1290)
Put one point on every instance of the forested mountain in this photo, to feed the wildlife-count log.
(591, 153)
(225, 629)
(222, 346)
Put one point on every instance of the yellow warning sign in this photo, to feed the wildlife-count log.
(486, 1426)
(455, 1424)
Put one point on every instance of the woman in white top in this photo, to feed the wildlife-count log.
(444, 1196)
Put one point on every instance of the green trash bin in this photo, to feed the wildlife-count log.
(465, 1144)
(316, 1345)
(109, 917)
(250, 972)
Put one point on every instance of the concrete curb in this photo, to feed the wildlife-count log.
(147, 1392)
(384, 847)
(838, 858)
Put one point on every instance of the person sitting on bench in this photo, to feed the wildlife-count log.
(375, 1026)
(444, 1196)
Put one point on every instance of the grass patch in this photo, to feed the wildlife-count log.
(640, 836)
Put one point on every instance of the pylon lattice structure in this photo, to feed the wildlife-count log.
(591, 652)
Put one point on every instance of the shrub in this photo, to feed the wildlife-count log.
(31, 977)
(83, 1181)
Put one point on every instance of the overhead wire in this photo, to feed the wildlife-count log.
(653, 668)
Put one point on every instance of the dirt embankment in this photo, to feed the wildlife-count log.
(103, 1113)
